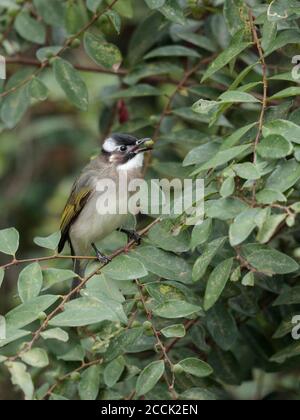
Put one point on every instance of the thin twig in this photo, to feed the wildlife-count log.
(84, 365)
(265, 94)
(36, 63)
(76, 290)
(179, 86)
(160, 344)
(66, 45)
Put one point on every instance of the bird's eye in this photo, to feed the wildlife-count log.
(123, 149)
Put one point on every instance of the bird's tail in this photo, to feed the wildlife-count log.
(78, 268)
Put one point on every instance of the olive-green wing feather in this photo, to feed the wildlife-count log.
(74, 206)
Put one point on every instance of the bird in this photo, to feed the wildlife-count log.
(82, 226)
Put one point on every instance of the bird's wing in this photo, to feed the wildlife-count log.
(74, 206)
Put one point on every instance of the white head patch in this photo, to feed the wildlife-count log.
(109, 145)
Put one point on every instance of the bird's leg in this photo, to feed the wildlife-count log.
(132, 235)
(103, 259)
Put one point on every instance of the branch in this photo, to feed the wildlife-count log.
(66, 45)
(159, 343)
(179, 86)
(265, 94)
(36, 63)
(76, 290)
(84, 365)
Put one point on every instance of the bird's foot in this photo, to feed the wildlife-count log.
(103, 259)
(133, 236)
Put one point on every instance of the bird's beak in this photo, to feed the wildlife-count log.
(147, 145)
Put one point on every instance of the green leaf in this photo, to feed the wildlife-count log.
(13, 335)
(76, 354)
(205, 107)
(195, 367)
(138, 91)
(30, 282)
(151, 69)
(285, 37)
(287, 353)
(43, 54)
(268, 196)
(21, 378)
(36, 357)
(285, 176)
(222, 327)
(172, 10)
(155, 4)
(93, 5)
(50, 242)
(55, 334)
(177, 331)
(236, 48)
(122, 342)
(216, 283)
(53, 276)
(269, 34)
(172, 51)
(89, 384)
(198, 40)
(149, 377)
(201, 154)
(71, 83)
(248, 280)
(102, 52)
(114, 19)
(37, 90)
(176, 309)
(287, 129)
(236, 136)
(28, 312)
(224, 156)
(125, 267)
(236, 96)
(224, 208)
(2, 274)
(201, 233)
(228, 187)
(124, 7)
(199, 394)
(285, 328)
(272, 262)
(274, 147)
(286, 93)
(84, 311)
(162, 236)
(74, 19)
(9, 241)
(52, 12)
(288, 297)
(234, 13)
(242, 227)
(113, 371)
(247, 171)
(145, 38)
(30, 29)
(16, 103)
(163, 264)
(269, 228)
(202, 263)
